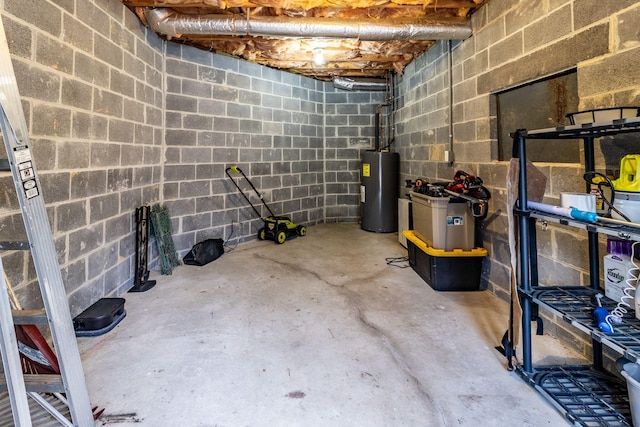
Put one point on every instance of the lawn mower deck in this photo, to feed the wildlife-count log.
(279, 229)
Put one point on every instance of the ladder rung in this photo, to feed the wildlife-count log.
(29, 317)
(39, 383)
(14, 246)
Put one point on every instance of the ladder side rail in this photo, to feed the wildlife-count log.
(61, 323)
(9, 93)
(34, 214)
(45, 261)
(11, 360)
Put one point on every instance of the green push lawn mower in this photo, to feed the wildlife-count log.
(276, 228)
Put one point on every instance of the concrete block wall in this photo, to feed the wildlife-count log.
(119, 118)
(91, 84)
(299, 140)
(349, 130)
(220, 112)
(516, 42)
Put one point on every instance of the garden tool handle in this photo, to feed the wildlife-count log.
(601, 314)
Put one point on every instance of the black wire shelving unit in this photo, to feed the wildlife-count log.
(586, 394)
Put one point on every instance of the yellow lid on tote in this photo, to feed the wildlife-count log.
(411, 236)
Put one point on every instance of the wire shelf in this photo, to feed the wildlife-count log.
(576, 304)
(628, 231)
(586, 130)
(586, 397)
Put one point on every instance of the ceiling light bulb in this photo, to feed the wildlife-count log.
(318, 57)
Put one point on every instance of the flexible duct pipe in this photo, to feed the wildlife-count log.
(351, 84)
(174, 24)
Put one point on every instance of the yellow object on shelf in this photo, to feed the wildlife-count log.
(627, 189)
(629, 179)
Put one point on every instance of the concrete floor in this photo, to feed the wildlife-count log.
(319, 331)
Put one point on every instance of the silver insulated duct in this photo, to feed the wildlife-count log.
(360, 84)
(174, 24)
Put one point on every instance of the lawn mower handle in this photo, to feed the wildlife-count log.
(236, 169)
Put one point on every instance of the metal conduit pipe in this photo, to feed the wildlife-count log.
(173, 24)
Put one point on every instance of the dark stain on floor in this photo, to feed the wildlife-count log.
(120, 418)
(296, 394)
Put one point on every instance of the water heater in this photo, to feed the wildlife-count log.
(379, 191)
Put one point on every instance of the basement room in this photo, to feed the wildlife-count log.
(320, 213)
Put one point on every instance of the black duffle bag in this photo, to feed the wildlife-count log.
(204, 252)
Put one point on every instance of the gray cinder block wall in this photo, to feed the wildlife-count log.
(222, 112)
(299, 140)
(91, 83)
(515, 42)
(349, 130)
(109, 131)
(120, 118)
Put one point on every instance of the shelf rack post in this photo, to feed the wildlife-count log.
(594, 264)
(525, 251)
(590, 165)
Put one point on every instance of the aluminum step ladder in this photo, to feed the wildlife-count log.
(71, 380)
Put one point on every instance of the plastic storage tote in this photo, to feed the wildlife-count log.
(455, 270)
(443, 222)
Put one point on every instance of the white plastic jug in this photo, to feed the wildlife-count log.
(628, 204)
(631, 373)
